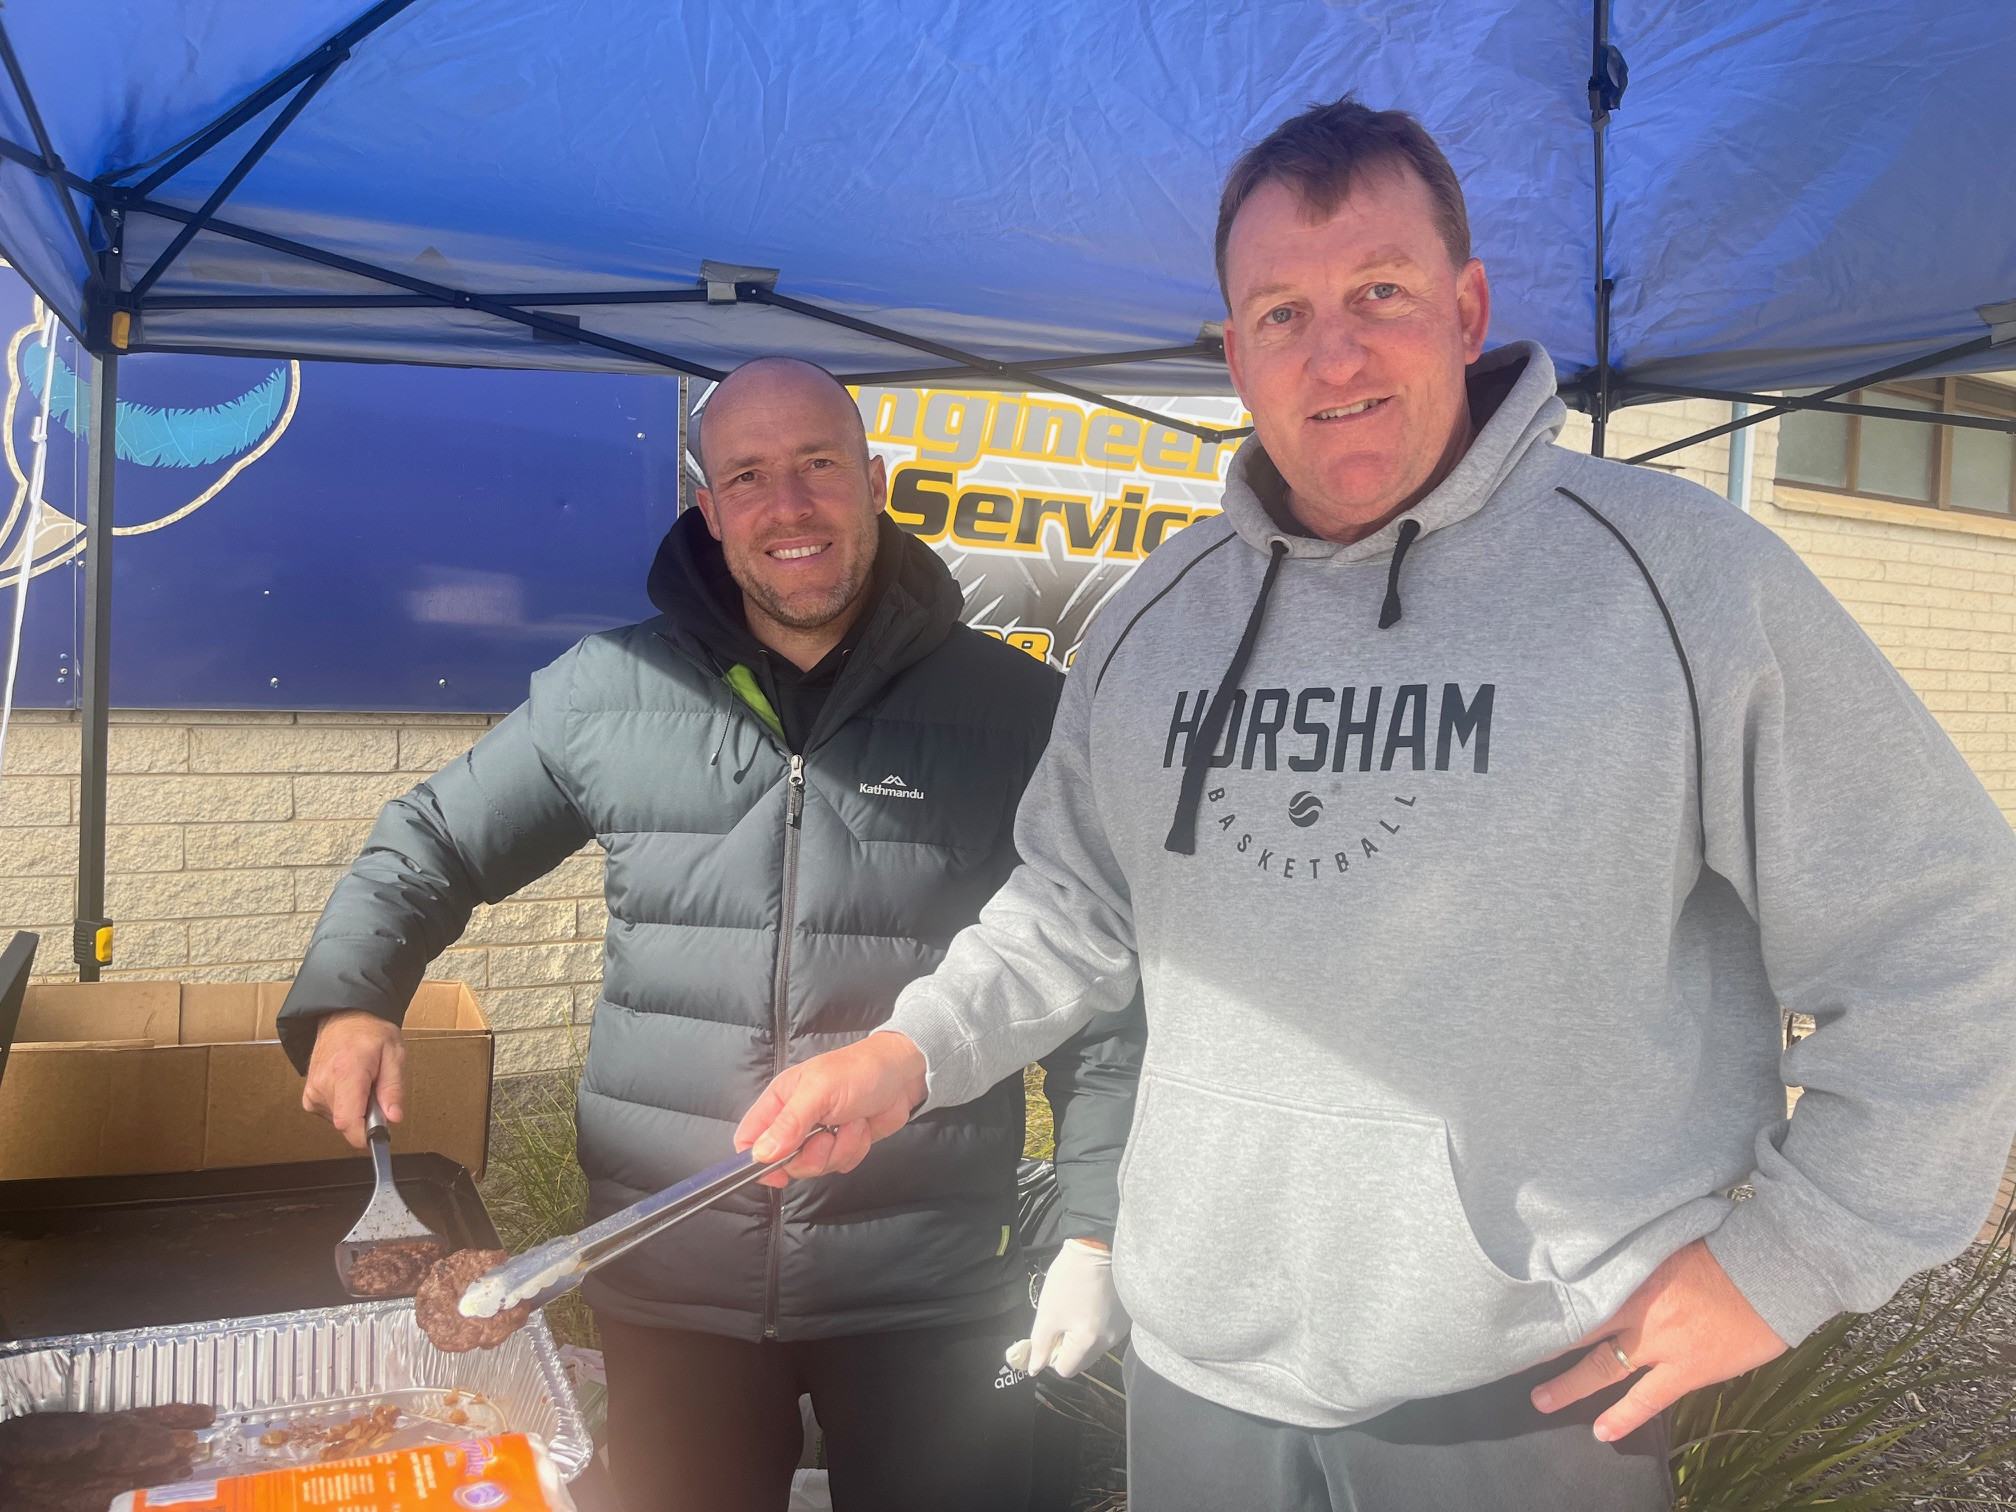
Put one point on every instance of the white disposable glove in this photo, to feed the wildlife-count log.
(1078, 1316)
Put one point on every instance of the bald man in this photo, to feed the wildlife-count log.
(804, 773)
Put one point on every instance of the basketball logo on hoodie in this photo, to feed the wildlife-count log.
(1325, 736)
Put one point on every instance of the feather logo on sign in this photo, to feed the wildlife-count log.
(184, 455)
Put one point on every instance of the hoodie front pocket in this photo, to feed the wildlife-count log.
(1328, 1244)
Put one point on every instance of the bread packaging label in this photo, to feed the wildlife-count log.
(508, 1473)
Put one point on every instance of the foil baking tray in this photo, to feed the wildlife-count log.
(286, 1385)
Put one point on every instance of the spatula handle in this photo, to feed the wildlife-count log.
(378, 1135)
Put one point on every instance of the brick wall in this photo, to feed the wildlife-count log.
(1938, 593)
(226, 833)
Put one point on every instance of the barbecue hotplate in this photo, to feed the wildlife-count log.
(95, 1253)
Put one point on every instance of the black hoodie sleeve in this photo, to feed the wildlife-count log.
(1090, 1081)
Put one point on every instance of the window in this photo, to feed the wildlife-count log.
(1946, 467)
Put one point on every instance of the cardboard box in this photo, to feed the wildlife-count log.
(127, 1078)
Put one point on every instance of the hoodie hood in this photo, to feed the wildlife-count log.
(690, 584)
(1528, 412)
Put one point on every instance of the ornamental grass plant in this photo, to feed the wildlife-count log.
(1910, 1406)
(534, 1187)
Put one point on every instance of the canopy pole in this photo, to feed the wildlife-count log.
(91, 935)
(1607, 78)
(1599, 399)
(1741, 460)
(685, 496)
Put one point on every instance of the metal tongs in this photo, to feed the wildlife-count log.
(553, 1269)
(387, 1222)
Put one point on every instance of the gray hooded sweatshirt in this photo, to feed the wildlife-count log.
(1464, 976)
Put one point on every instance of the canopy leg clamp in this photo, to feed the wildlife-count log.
(91, 942)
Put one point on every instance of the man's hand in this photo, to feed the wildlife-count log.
(1078, 1317)
(354, 1053)
(1688, 1323)
(864, 1091)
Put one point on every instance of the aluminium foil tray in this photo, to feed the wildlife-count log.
(282, 1376)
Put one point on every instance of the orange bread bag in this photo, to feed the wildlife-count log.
(509, 1473)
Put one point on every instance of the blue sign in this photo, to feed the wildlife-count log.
(299, 535)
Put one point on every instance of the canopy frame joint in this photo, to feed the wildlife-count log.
(730, 283)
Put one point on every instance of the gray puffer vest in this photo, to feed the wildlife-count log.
(763, 907)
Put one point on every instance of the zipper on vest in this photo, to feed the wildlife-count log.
(779, 1005)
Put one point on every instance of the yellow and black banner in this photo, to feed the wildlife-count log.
(1041, 505)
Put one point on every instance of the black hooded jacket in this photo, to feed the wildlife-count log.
(765, 904)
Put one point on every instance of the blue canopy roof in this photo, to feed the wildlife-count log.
(1796, 193)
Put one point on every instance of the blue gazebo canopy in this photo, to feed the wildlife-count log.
(1795, 193)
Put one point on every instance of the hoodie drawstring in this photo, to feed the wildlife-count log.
(728, 725)
(755, 750)
(1389, 612)
(1182, 837)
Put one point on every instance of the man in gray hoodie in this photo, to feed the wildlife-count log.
(1470, 811)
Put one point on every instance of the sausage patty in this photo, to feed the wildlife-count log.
(436, 1304)
(392, 1270)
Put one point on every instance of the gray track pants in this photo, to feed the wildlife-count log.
(1485, 1450)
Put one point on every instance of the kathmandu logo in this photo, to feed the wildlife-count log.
(1304, 809)
(891, 786)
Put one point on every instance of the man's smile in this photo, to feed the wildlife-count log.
(1350, 411)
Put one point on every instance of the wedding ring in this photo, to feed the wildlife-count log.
(1622, 1358)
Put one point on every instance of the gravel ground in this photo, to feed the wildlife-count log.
(1966, 1415)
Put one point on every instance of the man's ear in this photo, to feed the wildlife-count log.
(1473, 309)
(703, 498)
(878, 483)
